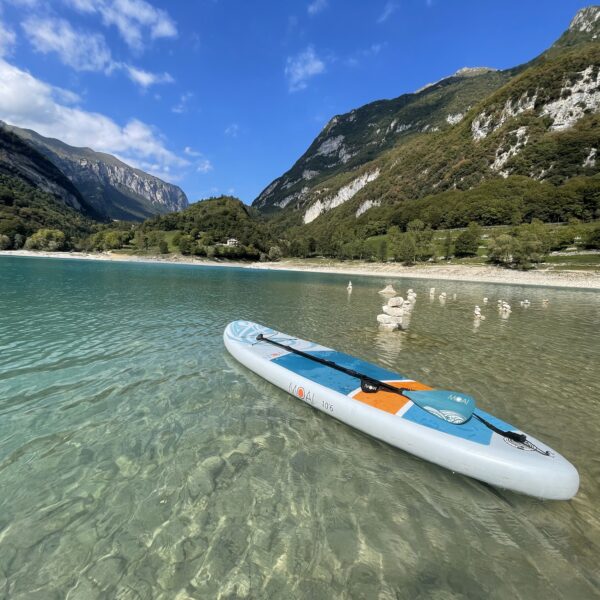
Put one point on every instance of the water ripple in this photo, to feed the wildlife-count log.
(138, 460)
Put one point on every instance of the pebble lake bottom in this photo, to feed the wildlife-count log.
(139, 460)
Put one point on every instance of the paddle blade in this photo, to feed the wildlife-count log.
(450, 406)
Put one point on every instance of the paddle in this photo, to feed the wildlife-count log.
(449, 406)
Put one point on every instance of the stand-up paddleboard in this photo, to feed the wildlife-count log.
(404, 413)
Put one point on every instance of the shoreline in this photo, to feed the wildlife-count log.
(467, 273)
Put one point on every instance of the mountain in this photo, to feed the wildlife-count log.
(21, 163)
(34, 194)
(360, 136)
(113, 188)
(537, 122)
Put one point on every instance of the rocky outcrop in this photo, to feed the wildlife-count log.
(343, 195)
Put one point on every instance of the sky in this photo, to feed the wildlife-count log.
(223, 96)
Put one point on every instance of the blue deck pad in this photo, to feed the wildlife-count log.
(473, 430)
(340, 382)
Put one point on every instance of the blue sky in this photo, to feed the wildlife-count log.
(222, 96)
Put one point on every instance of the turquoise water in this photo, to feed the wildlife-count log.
(138, 460)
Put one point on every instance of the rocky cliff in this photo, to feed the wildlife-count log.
(18, 160)
(115, 189)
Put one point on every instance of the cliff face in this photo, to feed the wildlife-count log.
(354, 139)
(112, 187)
(20, 161)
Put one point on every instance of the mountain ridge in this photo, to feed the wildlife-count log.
(508, 118)
(115, 189)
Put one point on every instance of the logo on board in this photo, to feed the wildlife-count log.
(302, 393)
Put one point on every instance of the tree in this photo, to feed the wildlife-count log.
(382, 252)
(447, 246)
(274, 253)
(163, 247)
(186, 244)
(467, 241)
(5, 243)
(394, 242)
(527, 249)
(500, 249)
(592, 239)
(407, 249)
(112, 240)
(46, 239)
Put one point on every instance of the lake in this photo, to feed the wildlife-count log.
(139, 460)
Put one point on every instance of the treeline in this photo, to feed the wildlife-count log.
(519, 246)
(408, 232)
(509, 201)
(24, 210)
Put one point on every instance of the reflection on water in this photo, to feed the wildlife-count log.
(138, 460)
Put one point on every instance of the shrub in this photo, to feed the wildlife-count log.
(274, 253)
(46, 239)
(5, 243)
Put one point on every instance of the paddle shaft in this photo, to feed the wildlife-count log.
(328, 363)
(365, 380)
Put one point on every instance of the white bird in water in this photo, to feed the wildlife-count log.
(485, 300)
(349, 288)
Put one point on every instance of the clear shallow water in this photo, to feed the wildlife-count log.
(138, 460)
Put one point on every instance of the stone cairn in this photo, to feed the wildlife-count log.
(396, 313)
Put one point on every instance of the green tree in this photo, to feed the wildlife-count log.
(186, 244)
(5, 242)
(447, 245)
(163, 247)
(527, 249)
(382, 251)
(500, 249)
(46, 239)
(113, 240)
(467, 241)
(592, 239)
(274, 253)
(407, 250)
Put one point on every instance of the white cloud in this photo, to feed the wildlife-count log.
(388, 10)
(29, 102)
(302, 67)
(133, 19)
(373, 50)
(232, 130)
(204, 166)
(145, 78)
(7, 40)
(316, 6)
(191, 152)
(182, 106)
(81, 50)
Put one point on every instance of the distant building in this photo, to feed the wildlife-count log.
(233, 242)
